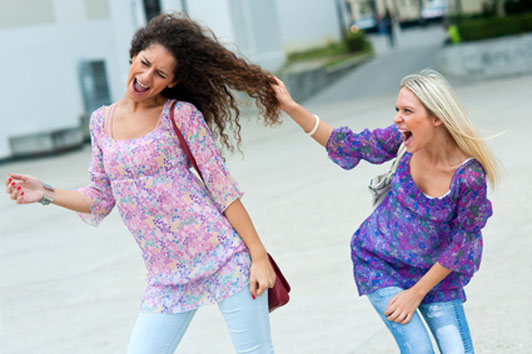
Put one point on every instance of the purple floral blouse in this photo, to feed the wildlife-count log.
(409, 231)
(192, 254)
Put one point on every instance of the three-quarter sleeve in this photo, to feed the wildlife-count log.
(98, 193)
(221, 185)
(464, 253)
(346, 148)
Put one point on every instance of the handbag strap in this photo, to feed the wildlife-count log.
(183, 143)
(400, 154)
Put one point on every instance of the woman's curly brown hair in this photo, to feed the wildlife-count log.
(207, 72)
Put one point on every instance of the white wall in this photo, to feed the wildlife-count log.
(41, 89)
(40, 82)
(307, 24)
(256, 30)
(126, 17)
(248, 27)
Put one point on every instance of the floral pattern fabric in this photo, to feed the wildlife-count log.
(192, 254)
(409, 232)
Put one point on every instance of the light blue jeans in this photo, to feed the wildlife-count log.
(446, 321)
(247, 320)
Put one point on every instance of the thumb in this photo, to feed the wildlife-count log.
(17, 176)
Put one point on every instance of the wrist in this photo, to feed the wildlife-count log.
(419, 290)
(258, 254)
(47, 194)
(291, 108)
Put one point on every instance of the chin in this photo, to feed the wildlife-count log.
(411, 148)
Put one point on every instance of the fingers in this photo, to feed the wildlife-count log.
(253, 286)
(257, 288)
(13, 180)
(262, 288)
(11, 185)
(16, 193)
(398, 316)
(396, 313)
(9, 181)
(407, 319)
(20, 198)
(14, 188)
(16, 176)
(391, 306)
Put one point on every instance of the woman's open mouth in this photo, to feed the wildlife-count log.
(407, 137)
(139, 88)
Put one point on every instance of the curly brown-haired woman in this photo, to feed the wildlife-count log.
(197, 240)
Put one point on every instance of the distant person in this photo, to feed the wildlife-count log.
(387, 27)
(421, 245)
(198, 242)
(452, 34)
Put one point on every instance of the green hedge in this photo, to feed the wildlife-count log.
(474, 29)
(353, 43)
(357, 41)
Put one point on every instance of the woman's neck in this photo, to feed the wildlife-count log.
(442, 149)
(144, 105)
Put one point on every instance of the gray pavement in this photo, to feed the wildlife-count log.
(66, 287)
(415, 49)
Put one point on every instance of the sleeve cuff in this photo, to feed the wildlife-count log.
(91, 218)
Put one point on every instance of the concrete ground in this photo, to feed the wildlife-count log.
(66, 287)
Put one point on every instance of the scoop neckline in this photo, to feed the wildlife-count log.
(157, 126)
(448, 193)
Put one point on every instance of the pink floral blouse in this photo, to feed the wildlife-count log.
(192, 254)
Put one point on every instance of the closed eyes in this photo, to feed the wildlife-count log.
(159, 72)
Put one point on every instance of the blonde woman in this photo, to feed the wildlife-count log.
(422, 244)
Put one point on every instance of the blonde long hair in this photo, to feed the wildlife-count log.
(438, 96)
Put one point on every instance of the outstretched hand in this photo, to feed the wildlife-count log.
(262, 277)
(24, 189)
(402, 306)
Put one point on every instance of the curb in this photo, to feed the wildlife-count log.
(306, 81)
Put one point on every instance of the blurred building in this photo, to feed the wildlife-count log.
(64, 58)
(468, 6)
(411, 12)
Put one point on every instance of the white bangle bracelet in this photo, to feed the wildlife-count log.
(316, 125)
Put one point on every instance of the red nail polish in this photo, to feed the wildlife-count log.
(18, 187)
(10, 179)
(22, 193)
(253, 296)
(13, 183)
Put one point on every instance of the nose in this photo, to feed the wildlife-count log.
(397, 118)
(147, 75)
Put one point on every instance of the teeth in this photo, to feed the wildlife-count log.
(141, 85)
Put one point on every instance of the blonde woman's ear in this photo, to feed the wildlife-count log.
(436, 121)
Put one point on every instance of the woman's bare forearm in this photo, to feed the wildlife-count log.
(239, 218)
(432, 278)
(70, 199)
(307, 122)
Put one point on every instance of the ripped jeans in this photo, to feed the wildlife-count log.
(446, 320)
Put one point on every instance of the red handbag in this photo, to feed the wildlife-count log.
(278, 295)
